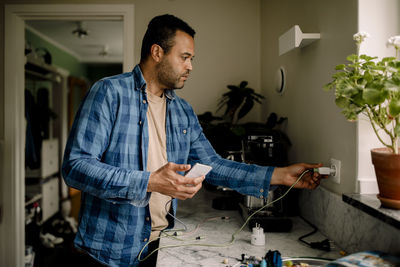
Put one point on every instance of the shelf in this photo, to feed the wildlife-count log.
(38, 76)
(33, 199)
(39, 66)
(41, 71)
(294, 38)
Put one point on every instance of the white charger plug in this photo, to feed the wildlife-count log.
(258, 237)
(326, 170)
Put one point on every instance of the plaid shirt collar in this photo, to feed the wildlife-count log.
(140, 83)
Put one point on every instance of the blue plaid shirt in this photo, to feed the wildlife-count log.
(106, 157)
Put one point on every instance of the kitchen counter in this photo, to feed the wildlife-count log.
(219, 231)
(370, 204)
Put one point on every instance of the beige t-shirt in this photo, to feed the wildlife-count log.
(157, 157)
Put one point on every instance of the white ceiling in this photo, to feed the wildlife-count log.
(101, 34)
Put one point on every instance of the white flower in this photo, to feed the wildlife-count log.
(360, 36)
(394, 41)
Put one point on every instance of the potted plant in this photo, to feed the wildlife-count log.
(366, 85)
(239, 100)
(227, 134)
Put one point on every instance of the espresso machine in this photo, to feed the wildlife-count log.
(268, 150)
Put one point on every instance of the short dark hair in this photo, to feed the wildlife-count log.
(161, 31)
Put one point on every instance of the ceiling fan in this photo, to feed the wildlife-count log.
(80, 31)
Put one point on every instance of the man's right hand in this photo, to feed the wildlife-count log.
(167, 181)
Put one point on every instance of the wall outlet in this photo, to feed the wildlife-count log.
(336, 165)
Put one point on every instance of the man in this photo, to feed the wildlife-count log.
(133, 139)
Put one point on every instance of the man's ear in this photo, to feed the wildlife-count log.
(157, 52)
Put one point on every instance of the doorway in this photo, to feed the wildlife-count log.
(12, 235)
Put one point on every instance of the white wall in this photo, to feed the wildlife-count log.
(227, 45)
(381, 20)
(316, 127)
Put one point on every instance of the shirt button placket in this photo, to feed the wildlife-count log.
(261, 191)
(144, 101)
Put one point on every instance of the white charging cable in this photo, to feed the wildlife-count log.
(257, 230)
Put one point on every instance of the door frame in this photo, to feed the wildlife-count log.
(12, 209)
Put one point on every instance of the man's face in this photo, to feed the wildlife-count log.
(175, 66)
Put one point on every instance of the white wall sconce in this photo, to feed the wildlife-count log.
(294, 38)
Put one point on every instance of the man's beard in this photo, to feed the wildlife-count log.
(168, 77)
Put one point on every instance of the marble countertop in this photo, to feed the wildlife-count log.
(370, 204)
(219, 232)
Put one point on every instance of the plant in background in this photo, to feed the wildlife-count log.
(369, 86)
(238, 101)
(229, 138)
(225, 133)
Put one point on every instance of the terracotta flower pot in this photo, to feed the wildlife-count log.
(387, 170)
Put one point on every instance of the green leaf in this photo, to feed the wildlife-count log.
(339, 75)
(349, 90)
(328, 86)
(350, 115)
(397, 129)
(368, 64)
(340, 67)
(373, 97)
(358, 100)
(393, 85)
(368, 77)
(367, 58)
(394, 107)
(352, 58)
(388, 59)
(341, 102)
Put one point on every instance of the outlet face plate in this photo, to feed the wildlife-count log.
(336, 164)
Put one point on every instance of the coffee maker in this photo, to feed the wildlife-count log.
(267, 149)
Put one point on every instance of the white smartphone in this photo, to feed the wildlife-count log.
(198, 170)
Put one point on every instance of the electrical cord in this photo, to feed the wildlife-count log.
(233, 235)
(184, 225)
(321, 245)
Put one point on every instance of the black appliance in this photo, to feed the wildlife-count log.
(268, 149)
